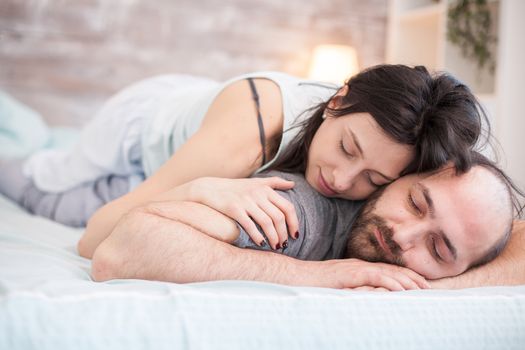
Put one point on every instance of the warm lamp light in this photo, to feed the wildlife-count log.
(333, 63)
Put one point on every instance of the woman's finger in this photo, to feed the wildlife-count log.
(288, 209)
(265, 222)
(251, 229)
(278, 183)
(278, 220)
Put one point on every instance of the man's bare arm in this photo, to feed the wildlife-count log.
(199, 217)
(148, 246)
(506, 269)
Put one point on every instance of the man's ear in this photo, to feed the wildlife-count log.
(337, 101)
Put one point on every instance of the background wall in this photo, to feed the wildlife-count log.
(509, 108)
(64, 57)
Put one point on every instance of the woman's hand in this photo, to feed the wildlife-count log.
(251, 201)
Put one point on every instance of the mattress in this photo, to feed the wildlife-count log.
(49, 301)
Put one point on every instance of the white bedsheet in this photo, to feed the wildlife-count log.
(48, 301)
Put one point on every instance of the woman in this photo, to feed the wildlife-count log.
(386, 121)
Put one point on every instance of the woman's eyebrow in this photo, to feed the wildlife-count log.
(357, 144)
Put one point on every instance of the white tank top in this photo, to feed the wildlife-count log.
(141, 127)
(182, 112)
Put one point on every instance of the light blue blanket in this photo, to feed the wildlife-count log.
(23, 131)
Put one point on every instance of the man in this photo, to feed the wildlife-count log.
(432, 225)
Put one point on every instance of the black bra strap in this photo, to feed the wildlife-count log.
(262, 136)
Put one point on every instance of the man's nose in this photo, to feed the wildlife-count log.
(410, 235)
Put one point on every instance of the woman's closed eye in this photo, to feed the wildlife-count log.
(376, 179)
(368, 175)
(370, 181)
(343, 149)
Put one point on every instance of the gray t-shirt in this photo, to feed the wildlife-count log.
(324, 223)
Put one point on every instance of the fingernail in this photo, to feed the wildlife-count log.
(297, 235)
(285, 244)
(278, 246)
(263, 243)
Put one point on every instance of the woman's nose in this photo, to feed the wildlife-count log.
(345, 177)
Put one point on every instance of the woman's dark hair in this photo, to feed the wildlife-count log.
(438, 115)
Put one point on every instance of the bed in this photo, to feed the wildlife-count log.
(49, 301)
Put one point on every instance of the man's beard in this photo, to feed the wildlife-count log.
(362, 243)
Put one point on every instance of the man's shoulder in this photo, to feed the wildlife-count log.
(301, 186)
(325, 221)
(284, 175)
(304, 191)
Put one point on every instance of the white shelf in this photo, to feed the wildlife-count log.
(422, 13)
(417, 36)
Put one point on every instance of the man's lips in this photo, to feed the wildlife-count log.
(325, 189)
(381, 240)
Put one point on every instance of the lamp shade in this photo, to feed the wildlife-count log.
(333, 63)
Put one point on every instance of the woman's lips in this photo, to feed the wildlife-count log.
(381, 240)
(325, 189)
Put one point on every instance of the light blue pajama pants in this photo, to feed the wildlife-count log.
(69, 185)
(72, 207)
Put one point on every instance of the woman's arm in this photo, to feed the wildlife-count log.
(208, 199)
(226, 145)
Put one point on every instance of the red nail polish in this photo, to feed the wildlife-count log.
(297, 235)
(278, 246)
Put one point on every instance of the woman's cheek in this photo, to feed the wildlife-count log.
(359, 190)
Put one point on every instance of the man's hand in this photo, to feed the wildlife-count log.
(355, 273)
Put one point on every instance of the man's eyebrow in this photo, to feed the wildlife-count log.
(358, 145)
(430, 203)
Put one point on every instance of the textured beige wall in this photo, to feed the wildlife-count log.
(64, 57)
